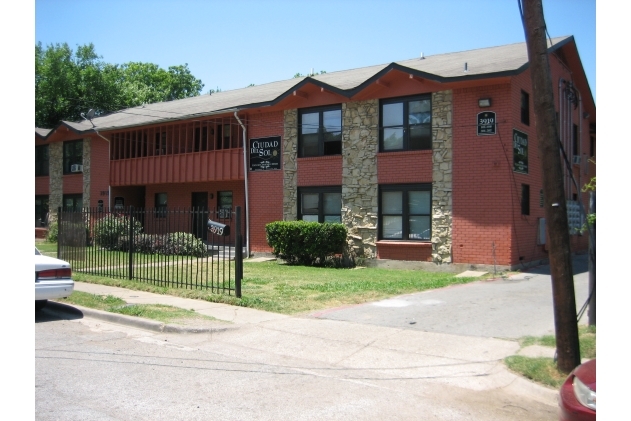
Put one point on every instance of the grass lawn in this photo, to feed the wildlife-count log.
(159, 312)
(544, 370)
(288, 289)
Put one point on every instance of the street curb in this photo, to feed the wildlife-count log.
(137, 322)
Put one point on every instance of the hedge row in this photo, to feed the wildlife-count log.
(305, 243)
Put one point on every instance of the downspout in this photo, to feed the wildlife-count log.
(245, 175)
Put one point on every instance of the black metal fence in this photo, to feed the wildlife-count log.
(165, 247)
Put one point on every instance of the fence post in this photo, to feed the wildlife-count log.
(238, 255)
(131, 242)
(59, 232)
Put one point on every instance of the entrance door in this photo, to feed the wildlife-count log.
(200, 215)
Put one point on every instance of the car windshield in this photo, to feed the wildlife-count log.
(37, 252)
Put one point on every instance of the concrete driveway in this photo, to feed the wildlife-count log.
(518, 306)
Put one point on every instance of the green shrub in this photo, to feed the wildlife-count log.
(108, 230)
(306, 243)
(51, 237)
(183, 243)
(175, 243)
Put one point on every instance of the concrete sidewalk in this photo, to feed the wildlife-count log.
(224, 312)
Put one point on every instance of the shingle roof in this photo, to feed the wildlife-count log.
(481, 63)
(42, 132)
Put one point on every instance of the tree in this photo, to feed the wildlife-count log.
(68, 83)
(297, 75)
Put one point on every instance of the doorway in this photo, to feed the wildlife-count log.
(199, 204)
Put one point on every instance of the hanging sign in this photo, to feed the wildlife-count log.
(520, 152)
(265, 153)
(486, 123)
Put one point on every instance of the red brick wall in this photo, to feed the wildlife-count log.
(42, 185)
(265, 187)
(404, 167)
(99, 172)
(320, 171)
(483, 178)
(404, 251)
(73, 184)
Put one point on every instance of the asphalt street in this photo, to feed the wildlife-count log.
(435, 355)
(518, 306)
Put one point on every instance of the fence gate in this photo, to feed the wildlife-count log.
(161, 246)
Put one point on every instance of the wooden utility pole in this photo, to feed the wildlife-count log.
(565, 323)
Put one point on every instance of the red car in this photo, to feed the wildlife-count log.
(577, 397)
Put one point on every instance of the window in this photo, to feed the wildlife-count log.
(405, 212)
(592, 146)
(73, 202)
(525, 199)
(320, 204)
(73, 155)
(525, 108)
(320, 131)
(406, 124)
(160, 205)
(41, 211)
(224, 204)
(41, 160)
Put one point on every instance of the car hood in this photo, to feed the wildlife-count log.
(45, 262)
(587, 374)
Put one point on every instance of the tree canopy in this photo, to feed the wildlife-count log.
(68, 83)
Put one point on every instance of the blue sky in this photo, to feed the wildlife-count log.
(232, 44)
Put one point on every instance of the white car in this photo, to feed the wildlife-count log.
(53, 279)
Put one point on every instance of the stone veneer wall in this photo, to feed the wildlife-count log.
(290, 167)
(55, 172)
(360, 144)
(86, 172)
(442, 145)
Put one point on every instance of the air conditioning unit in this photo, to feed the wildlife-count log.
(576, 160)
(76, 168)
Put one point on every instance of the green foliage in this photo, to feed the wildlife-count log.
(68, 83)
(175, 243)
(297, 75)
(305, 243)
(109, 230)
(51, 237)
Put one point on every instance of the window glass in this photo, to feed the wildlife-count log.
(420, 112)
(406, 124)
(310, 123)
(320, 204)
(419, 227)
(392, 139)
(332, 120)
(332, 203)
(392, 227)
(310, 203)
(419, 202)
(405, 212)
(320, 132)
(310, 145)
(393, 114)
(420, 137)
(392, 202)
